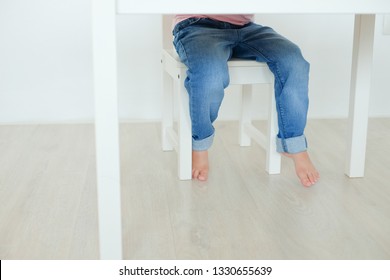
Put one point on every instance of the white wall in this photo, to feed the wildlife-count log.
(46, 63)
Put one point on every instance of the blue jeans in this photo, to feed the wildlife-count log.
(205, 46)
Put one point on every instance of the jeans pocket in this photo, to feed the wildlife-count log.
(183, 24)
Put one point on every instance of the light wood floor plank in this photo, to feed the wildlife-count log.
(48, 197)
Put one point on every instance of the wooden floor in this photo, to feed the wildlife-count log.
(48, 198)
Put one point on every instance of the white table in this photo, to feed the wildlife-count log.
(105, 83)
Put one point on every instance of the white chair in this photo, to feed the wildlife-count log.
(242, 72)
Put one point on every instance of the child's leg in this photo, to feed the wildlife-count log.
(291, 73)
(205, 51)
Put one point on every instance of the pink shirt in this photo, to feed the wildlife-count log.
(233, 19)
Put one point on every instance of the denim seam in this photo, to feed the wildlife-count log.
(267, 59)
(187, 62)
(277, 78)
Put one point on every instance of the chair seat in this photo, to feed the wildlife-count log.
(233, 62)
(241, 71)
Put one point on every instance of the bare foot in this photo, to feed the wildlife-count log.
(200, 165)
(304, 168)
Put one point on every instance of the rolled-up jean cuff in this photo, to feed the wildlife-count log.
(291, 145)
(204, 144)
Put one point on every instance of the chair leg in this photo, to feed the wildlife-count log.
(167, 111)
(184, 131)
(273, 157)
(246, 116)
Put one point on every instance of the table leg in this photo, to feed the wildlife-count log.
(360, 92)
(106, 128)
